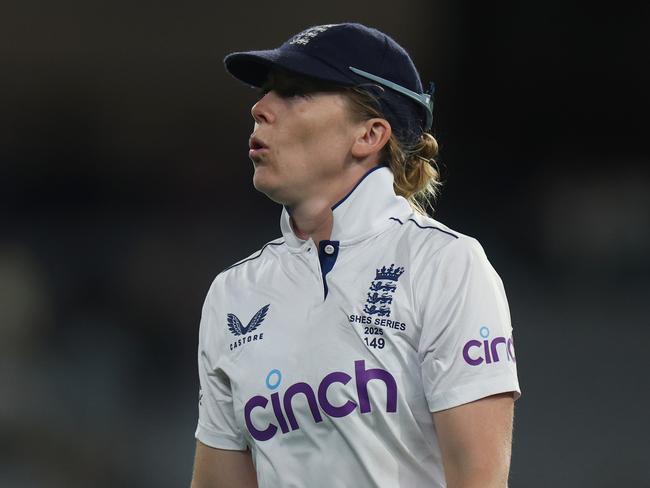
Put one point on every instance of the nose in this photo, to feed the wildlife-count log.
(262, 110)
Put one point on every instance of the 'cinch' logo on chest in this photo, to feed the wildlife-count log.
(317, 401)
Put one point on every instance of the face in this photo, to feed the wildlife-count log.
(301, 140)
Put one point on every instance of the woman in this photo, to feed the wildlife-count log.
(370, 345)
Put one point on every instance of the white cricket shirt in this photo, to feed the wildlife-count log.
(327, 363)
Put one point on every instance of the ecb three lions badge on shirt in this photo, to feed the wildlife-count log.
(342, 350)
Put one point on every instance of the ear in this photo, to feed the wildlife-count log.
(371, 137)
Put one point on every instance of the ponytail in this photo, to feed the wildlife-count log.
(415, 171)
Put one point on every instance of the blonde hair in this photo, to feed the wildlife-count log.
(414, 167)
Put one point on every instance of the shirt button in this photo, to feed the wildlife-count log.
(329, 249)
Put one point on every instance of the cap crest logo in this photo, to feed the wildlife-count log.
(307, 35)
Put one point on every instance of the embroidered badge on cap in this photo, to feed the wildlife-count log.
(307, 35)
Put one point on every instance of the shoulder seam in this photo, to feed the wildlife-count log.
(427, 227)
(253, 257)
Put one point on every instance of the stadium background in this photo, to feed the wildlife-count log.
(125, 188)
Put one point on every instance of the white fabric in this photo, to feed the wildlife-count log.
(368, 421)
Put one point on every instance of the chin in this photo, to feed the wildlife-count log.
(263, 182)
(261, 178)
(273, 190)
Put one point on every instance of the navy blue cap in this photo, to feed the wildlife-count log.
(349, 54)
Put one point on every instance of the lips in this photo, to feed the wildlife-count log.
(255, 143)
(257, 148)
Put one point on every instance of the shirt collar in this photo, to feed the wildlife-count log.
(362, 213)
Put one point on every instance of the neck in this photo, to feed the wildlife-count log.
(314, 217)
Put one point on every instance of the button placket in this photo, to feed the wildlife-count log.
(314, 263)
(327, 257)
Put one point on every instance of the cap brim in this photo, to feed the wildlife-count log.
(252, 67)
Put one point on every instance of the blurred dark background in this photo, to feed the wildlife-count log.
(125, 187)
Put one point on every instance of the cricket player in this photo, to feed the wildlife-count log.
(369, 346)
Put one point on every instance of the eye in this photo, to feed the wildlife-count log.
(283, 92)
(291, 91)
(285, 89)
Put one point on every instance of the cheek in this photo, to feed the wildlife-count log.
(315, 135)
(325, 139)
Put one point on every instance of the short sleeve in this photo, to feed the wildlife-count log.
(216, 424)
(466, 347)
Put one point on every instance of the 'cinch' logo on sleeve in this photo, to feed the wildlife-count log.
(477, 352)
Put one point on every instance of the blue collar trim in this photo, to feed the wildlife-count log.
(375, 168)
